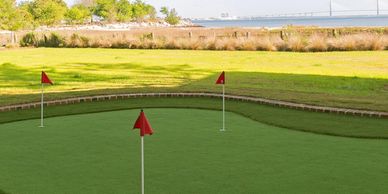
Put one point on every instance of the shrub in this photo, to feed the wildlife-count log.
(371, 42)
(317, 43)
(77, 41)
(29, 40)
(171, 44)
(296, 44)
(358, 42)
(54, 40)
(268, 44)
(248, 45)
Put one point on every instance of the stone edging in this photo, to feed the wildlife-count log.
(210, 95)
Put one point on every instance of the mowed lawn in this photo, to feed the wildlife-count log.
(342, 79)
(99, 153)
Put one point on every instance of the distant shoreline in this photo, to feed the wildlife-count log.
(118, 26)
(275, 23)
(318, 21)
(292, 17)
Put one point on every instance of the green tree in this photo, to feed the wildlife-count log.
(77, 14)
(142, 11)
(23, 20)
(7, 9)
(47, 12)
(28, 18)
(13, 17)
(171, 15)
(124, 11)
(151, 11)
(106, 9)
(164, 10)
(90, 4)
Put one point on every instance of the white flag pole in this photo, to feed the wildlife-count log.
(142, 164)
(223, 107)
(41, 108)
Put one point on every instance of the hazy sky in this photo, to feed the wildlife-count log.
(213, 8)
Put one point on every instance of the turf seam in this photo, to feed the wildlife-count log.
(202, 108)
(282, 104)
(199, 108)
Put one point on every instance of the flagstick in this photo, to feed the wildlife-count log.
(142, 164)
(41, 108)
(223, 107)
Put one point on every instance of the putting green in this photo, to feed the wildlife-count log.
(98, 153)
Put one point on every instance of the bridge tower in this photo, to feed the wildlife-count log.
(331, 7)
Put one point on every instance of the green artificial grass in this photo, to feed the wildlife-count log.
(341, 79)
(323, 123)
(99, 153)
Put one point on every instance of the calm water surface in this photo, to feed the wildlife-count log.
(301, 21)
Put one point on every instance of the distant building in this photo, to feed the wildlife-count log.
(224, 15)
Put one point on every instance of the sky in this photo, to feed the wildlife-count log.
(214, 8)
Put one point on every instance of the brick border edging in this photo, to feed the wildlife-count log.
(211, 95)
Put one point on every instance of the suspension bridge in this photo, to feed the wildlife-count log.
(330, 12)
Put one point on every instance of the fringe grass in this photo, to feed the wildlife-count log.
(294, 42)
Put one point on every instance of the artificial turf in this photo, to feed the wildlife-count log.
(99, 153)
(323, 123)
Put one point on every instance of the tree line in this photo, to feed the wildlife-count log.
(34, 13)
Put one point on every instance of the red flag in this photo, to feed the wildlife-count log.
(221, 79)
(143, 124)
(45, 79)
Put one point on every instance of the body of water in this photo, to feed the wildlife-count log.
(348, 21)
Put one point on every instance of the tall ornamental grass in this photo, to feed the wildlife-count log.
(294, 42)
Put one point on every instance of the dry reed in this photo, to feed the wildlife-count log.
(223, 39)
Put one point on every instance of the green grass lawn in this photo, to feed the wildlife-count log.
(322, 123)
(99, 153)
(343, 79)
